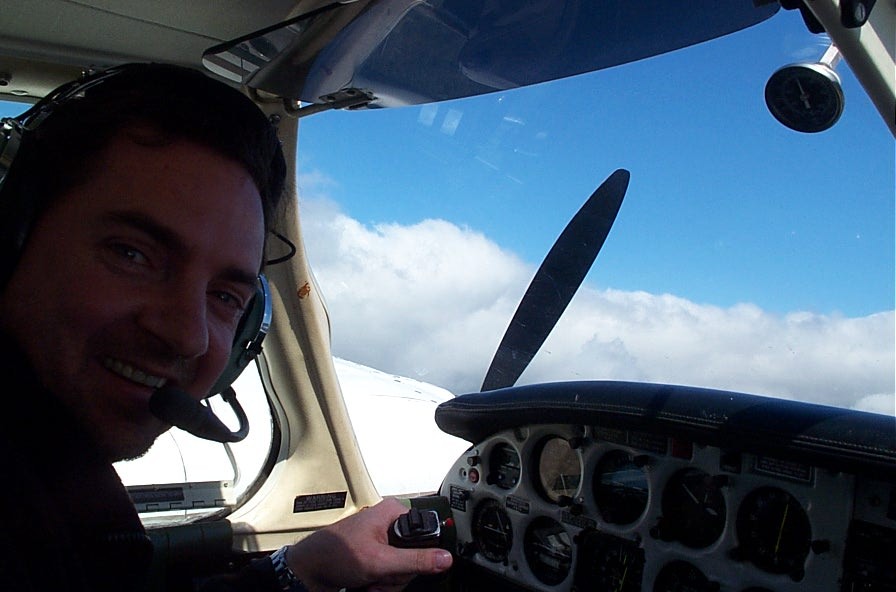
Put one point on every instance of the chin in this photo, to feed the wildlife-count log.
(130, 442)
(127, 456)
(128, 450)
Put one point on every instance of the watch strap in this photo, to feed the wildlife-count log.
(286, 579)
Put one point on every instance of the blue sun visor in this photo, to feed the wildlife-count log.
(389, 53)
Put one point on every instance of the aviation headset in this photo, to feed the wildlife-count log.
(14, 131)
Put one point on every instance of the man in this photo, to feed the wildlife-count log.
(134, 219)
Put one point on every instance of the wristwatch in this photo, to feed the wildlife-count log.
(286, 579)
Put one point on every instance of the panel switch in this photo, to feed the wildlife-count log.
(417, 528)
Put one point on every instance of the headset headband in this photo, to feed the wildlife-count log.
(13, 128)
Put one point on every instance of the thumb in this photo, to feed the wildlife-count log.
(438, 560)
(420, 561)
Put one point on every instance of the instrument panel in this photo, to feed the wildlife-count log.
(581, 507)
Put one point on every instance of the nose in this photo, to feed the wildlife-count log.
(177, 317)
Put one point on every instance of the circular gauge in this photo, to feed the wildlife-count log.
(693, 509)
(805, 97)
(620, 488)
(681, 576)
(559, 469)
(548, 550)
(774, 531)
(607, 562)
(503, 467)
(492, 531)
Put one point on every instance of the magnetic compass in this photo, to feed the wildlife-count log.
(805, 97)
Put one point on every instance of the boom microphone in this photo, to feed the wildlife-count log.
(177, 408)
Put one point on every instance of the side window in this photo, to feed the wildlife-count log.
(182, 476)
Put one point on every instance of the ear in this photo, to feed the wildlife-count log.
(249, 334)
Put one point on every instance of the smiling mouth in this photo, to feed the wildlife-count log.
(133, 374)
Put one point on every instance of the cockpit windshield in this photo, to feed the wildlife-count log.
(746, 256)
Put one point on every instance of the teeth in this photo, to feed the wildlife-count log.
(131, 373)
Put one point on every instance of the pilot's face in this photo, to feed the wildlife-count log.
(136, 278)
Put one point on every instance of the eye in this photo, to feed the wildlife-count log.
(126, 256)
(230, 299)
(131, 254)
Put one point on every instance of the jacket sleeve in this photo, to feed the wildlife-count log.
(258, 576)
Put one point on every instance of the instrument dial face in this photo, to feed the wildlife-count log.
(805, 97)
(681, 576)
(620, 488)
(694, 510)
(504, 466)
(607, 562)
(559, 469)
(774, 531)
(492, 531)
(548, 550)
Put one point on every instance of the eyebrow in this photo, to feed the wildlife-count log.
(172, 240)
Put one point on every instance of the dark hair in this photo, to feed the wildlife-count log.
(173, 102)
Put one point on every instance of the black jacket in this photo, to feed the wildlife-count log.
(67, 521)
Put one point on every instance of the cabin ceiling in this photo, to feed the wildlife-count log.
(46, 42)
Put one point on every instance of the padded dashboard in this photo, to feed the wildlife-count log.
(627, 487)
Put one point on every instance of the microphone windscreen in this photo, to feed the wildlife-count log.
(176, 407)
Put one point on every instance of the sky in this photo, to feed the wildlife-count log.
(746, 256)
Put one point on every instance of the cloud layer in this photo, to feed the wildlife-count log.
(432, 300)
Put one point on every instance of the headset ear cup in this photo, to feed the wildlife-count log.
(9, 146)
(14, 212)
(250, 333)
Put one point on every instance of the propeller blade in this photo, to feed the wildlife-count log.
(556, 281)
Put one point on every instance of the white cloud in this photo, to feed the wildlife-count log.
(882, 403)
(662, 338)
(432, 300)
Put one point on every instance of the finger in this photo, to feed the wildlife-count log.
(392, 507)
(402, 562)
(390, 584)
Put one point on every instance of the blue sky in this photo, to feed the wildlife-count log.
(750, 212)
